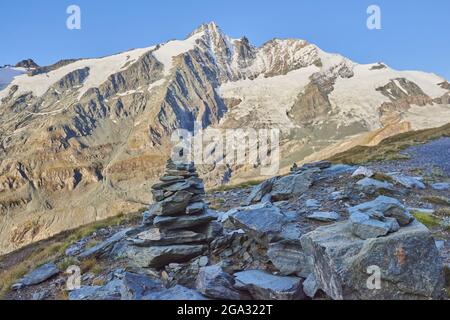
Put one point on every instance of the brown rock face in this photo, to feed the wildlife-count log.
(311, 105)
(445, 85)
(79, 152)
(402, 93)
(314, 103)
(67, 160)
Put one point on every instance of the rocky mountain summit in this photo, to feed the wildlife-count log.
(322, 231)
(27, 64)
(82, 140)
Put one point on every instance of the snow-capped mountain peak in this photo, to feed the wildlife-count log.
(97, 130)
(210, 27)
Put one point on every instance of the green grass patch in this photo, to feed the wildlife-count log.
(67, 262)
(92, 243)
(89, 229)
(91, 265)
(429, 220)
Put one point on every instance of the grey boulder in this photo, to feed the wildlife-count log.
(408, 182)
(183, 222)
(370, 185)
(310, 286)
(105, 245)
(264, 223)
(156, 237)
(136, 286)
(160, 256)
(212, 231)
(176, 293)
(75, 248)
(337, 169)
(171, 178)
(442, 186)
(265, 286)
(325, 216)
(41, 295)
(289, 231)
(292, 185)
(37, 276)
(110, 291)
(384, 207)
(260, 191)
(196, 208)
(288, 257)
(216, 284)
(312, 204)
(365, 228)
(363, 172)
(173, 205)
(408, 260)
(324, 164)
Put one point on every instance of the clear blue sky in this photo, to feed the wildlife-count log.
(415, 34)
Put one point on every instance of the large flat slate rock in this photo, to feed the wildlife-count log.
(37, 276)
(408, 259)
(160, 256)
(265, 286)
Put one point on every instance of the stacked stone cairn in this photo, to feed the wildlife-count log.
(178, 226)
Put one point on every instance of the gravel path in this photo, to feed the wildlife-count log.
(434, 154)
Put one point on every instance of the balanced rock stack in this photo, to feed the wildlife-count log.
(179, 226)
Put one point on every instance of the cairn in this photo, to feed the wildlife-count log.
(178, 226)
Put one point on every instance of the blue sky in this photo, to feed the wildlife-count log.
(414, 35)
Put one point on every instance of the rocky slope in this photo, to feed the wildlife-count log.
(84, 139)
(319, 232)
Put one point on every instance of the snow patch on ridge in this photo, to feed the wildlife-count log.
(156, 84)
(99, 71)
(267, 99)
(174, 48)
(357, 97)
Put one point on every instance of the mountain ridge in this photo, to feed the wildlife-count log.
(82, 141)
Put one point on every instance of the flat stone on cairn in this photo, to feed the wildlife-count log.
(181, 223)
